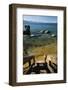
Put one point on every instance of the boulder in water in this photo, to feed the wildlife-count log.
(44, 32)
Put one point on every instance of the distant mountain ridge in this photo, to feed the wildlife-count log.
(37, 22)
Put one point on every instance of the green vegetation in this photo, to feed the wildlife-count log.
(39, 46)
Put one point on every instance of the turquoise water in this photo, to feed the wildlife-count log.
(37, 27)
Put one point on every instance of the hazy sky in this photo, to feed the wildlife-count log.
(44, 19)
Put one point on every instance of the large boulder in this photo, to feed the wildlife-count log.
(44, 32)
(27, 30)
(47, 32)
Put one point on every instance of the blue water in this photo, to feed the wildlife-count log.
(37, 27)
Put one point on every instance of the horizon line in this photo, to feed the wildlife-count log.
(38, 22)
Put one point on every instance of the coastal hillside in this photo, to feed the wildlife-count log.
(39, 44)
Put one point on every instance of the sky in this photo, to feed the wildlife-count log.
(42, 19)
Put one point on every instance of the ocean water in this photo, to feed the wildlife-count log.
(37, 27)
